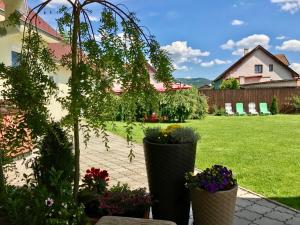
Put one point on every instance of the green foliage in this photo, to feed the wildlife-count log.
(296, 103)
(28, 86)
(274, 109)
(35, 205)
(173, 134)
(219, 111)
(230, 83)
(55, 155)
(95, 66)
(181, 105)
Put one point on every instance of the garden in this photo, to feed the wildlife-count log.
(262, 151)
(56, 194)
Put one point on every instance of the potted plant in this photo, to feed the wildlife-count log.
(94, 184)
(120, 200)
(170, 154)
(213, 194)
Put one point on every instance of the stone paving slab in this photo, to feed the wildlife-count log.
(251, 209)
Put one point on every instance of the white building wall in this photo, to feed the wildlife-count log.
(247, 69)
(13, 42)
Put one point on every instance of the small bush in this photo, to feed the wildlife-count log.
(274, 109)
(55, 155)
(230, 83)
(182, 105)
(219, 111)
(296, 103)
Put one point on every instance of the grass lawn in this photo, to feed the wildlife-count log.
(262, 151)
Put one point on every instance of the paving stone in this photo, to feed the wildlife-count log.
(284, 210)
(248, 215)
(268, 221)
(243, 202)
(266, 203)
(259, 209)
(241, 192)
(240, 221)
(279, 216)
(294, 221)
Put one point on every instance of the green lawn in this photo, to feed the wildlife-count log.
(262, 151)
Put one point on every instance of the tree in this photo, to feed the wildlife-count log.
(94, 66)
(230, 83)
(274, 106)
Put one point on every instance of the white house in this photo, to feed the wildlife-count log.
(258, 67)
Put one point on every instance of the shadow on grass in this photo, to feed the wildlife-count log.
(293, 202)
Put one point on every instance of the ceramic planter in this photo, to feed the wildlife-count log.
(166, 166)
(213, 208)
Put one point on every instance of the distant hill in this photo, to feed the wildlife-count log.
(196, 82)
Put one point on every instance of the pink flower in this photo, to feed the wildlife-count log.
(49, 202)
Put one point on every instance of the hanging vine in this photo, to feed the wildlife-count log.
(116, 48)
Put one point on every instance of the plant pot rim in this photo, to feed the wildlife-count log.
(218, 192)
(158, 144)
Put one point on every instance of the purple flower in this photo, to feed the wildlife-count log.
(216, 178)
(49, 202)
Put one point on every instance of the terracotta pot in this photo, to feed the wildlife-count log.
(166, 166)
(213, 208)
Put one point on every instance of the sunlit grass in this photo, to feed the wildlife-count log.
(262, 151)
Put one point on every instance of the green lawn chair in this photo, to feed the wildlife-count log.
(263, 108)
(240, 109)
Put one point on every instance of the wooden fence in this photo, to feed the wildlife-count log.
(220, 97)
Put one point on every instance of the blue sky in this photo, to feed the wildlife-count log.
(205, 37)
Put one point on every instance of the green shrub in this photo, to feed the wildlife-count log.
(274, 109)
(230, 83)
(182, 105)
(219, 111)
(55, 155)
(296, 103)
(35, 205)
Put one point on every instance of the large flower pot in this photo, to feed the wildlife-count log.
(166, 166)
(213, 208)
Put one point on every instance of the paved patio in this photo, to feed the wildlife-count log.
(251, 209)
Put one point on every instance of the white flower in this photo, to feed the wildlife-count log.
(49, 202)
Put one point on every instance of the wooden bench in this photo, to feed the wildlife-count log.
(115, 220)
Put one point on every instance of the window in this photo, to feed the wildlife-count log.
(258, 68)
(15, 58)
(271, 68)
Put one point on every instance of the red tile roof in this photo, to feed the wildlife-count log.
(59, 49)
(40, 23)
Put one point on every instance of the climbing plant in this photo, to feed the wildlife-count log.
(116, 48)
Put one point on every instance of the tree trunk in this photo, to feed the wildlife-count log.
(74, 94)
(2, 181)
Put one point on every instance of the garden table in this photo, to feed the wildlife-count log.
(115, 220)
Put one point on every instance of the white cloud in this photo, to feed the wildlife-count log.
(182, 68)
(237, 22)
(215, 62)
(55, 3)
(181, 53)
(221, 62)
(94, 18)
(291, 45)
(249, 42)
(208, 64)
(291, 6)
(228, 45)
(296, 67)
(281, 37)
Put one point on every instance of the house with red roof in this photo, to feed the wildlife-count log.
(259, 68)
(11, 43)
